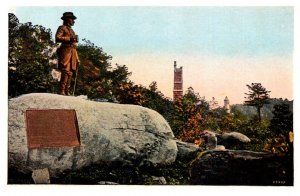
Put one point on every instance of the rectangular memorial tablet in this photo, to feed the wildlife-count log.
(47, 128)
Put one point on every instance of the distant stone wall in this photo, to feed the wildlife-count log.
(241, 168)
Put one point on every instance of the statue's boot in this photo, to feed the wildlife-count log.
(63, 83)
(68, 86)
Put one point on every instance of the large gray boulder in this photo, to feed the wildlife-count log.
(109, 133)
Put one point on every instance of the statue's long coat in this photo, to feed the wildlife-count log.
(67, 51)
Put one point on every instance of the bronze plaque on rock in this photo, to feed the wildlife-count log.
(48, 128)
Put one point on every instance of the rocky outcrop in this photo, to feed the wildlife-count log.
(235, 136)
(186, 150)
(227, 140)
(238, 167)
(109, 132)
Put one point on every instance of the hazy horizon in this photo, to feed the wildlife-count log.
(221, 49)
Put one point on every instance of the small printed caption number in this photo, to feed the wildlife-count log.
(278, 182)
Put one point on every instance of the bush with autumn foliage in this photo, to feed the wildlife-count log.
(187, 116)
(32, 57)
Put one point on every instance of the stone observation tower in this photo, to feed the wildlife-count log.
(177, 90)
(226, 104)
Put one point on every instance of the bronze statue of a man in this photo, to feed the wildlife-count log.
(67, 54)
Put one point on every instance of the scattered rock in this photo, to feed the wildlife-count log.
(158, 180)
(210, 139)
(220, 147)
(228, 140)
(235, 136)
(186, 150)
(107, 183)
(41, 176)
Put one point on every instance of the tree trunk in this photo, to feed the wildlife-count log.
(258, 111)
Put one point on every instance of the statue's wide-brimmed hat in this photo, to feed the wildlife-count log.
(68, 15)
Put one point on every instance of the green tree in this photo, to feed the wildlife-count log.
(155, 99)
(281, 130)
(219, 120)
(257, 96)
(99, 80)
(30, 58)
(92, 72)
(282, 121)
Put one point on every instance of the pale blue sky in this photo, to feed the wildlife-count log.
(221, 49)
(228, 50)
(206, 30)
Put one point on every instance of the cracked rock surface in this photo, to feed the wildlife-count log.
(109, 132)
